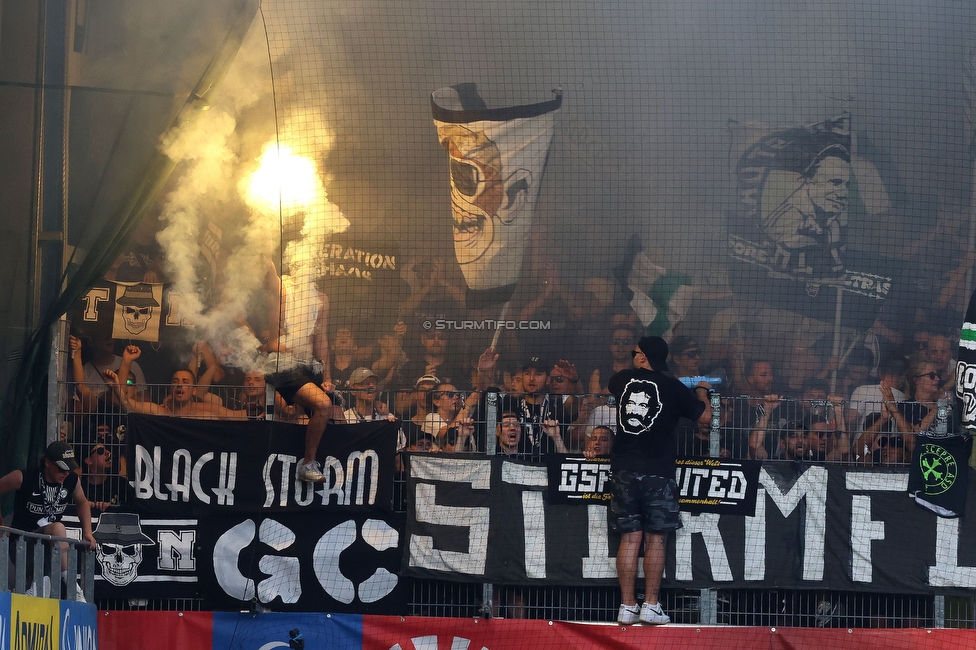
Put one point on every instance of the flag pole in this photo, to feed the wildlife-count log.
(835, 352)
(501, 319)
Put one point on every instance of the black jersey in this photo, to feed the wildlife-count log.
(38, 503)
(649, 405)
(111, 490)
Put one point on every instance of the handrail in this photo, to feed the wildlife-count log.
(85, 579)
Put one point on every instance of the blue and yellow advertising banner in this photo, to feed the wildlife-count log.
(29, 623)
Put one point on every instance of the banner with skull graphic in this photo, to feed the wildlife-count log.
(129, 311)
(497, 157)
(143, 557)
(223, 478)
(137, 312)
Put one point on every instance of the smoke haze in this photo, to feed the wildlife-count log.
(641, 144)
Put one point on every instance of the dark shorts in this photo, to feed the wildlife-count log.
(644, 502)
(290, 380)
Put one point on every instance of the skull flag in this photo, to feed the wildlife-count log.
(497, 157)
(137, 311)
(129, 311)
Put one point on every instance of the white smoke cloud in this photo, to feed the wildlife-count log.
(215, 184)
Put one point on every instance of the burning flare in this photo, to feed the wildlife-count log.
(283, 179)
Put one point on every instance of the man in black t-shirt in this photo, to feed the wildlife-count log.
(102, 487)
(544, 416)
(645, 496)
(42, 494)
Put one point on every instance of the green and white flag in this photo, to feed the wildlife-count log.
(661, 297)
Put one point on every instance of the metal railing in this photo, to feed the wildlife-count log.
(737, 428)
(28, 561)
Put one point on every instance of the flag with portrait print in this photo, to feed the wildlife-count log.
(797, 190)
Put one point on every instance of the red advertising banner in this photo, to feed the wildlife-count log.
(155, 630)
(195, 630)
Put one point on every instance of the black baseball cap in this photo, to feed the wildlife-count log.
(656, 350)
(538, 362)
(62, 455)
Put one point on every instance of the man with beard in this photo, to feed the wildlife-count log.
(795, 442)
(544, 417)
(644, 501)
(755, 413)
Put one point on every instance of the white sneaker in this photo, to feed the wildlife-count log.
(653, 615)
(45, 591)
(628, 614)
(311, 472)
(79, 594)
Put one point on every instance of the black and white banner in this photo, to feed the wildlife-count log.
(577, 479)
(132, 311)
(488, 519)
(704, 484)
(215, 511)
(726, 487)
(160, 558)
(293, 562)
(178, 464)
(343, 562)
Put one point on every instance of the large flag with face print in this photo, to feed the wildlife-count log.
(799, 190)
(793, 190)
(497, 157)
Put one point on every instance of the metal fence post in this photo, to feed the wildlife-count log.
(38, 577)
(5, 563)
(56, 375)
(491, 420)
(89, 575)
(708, 607)
(714, 435)
(72, 573)
(54, 569)
(938, 615)
(269, 402)
(491, 423)
(20, 565)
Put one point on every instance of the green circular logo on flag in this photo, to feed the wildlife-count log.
(938, 467)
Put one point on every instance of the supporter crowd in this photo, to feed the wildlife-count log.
(860, 409)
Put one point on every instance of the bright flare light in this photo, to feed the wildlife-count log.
(283, 179)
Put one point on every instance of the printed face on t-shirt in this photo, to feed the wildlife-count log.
(640, 405)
